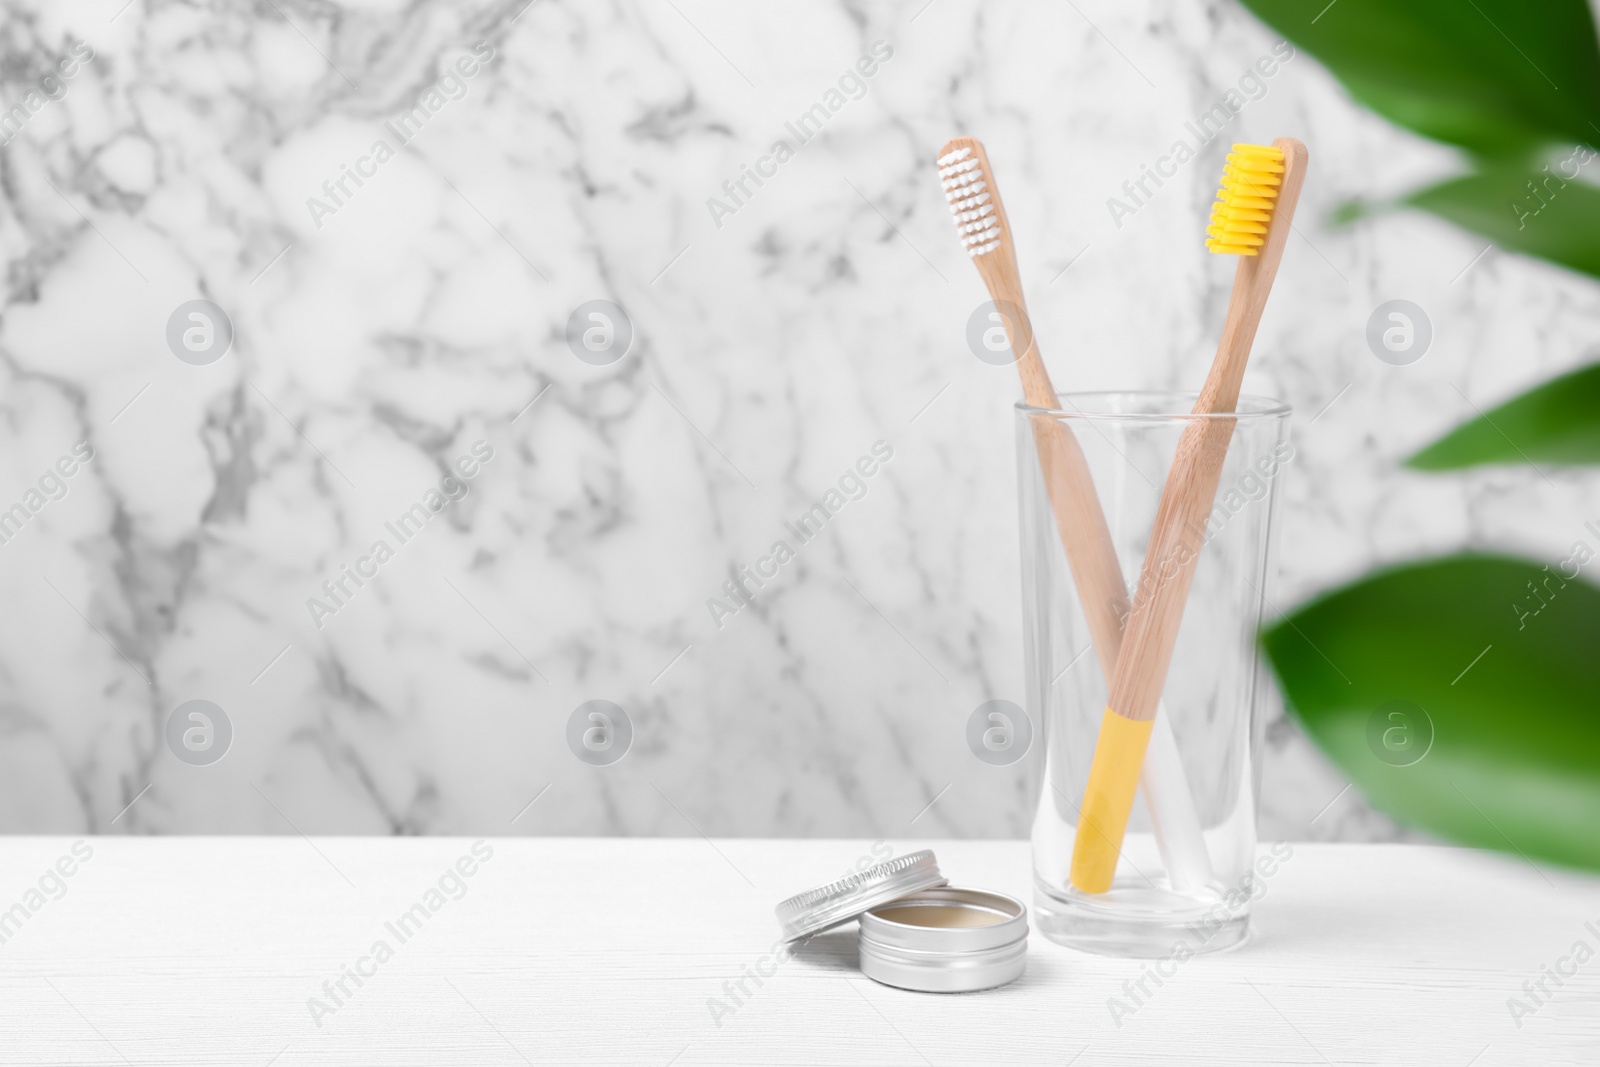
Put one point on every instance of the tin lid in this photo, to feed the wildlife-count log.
(838, 902)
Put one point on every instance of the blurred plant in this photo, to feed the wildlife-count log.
(1500, 655)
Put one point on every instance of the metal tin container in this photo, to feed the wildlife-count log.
(945, 940)
(917, 931)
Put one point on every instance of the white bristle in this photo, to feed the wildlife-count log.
(959, 197)
(959, 168)
(977, 224)
(971, 204)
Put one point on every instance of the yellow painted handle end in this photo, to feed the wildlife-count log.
(1107, 800)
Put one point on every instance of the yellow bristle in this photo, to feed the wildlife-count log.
(1244, 205)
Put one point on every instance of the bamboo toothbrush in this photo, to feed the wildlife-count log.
(1252, 218)
(981, 222)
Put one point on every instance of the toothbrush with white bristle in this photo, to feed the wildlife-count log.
(981, 223)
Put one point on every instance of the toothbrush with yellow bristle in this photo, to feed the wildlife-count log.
(1252, 219)
(985, 231)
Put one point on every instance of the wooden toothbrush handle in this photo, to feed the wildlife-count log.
(1080, 521)
(1191, 486)
(1169, 565)
(1147, 646)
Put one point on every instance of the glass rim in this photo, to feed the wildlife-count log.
(1251, 406)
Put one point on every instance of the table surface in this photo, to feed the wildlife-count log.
(217, 950)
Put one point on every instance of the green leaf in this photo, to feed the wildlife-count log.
(1498, 77)
(1508, 678)
(1552, 218)
(1557, 422)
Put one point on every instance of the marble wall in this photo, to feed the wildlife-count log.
(392, 212)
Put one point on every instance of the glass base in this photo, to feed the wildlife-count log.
(1144, 922)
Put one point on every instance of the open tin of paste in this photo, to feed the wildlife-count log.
(917, 931)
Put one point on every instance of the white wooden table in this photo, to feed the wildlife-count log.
(208, 950)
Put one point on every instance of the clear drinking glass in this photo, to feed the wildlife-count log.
(1206, 741)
